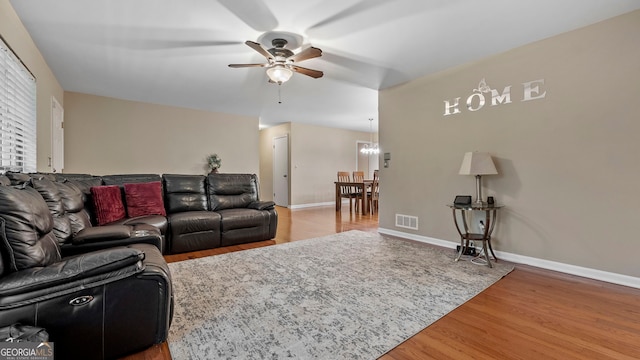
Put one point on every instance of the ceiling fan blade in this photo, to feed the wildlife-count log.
(257, 47)
(306, 54)
(309, 72)
(247, 65)
(345, 18)
(254, 13)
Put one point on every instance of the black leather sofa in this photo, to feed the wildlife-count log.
(202, 212)
(105, 291)
(96, 305)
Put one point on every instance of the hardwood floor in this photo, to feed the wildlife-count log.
(530, 314)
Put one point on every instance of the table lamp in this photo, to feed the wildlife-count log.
(478, 164)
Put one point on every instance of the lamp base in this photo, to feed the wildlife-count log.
(478, 191)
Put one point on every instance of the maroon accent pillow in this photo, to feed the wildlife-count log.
(144, 199)
(108, 203)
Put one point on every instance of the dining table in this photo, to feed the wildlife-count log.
(357, 186)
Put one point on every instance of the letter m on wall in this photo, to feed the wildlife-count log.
(497, 98)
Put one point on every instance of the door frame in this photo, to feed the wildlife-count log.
(57, 128)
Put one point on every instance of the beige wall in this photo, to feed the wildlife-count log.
(16, 36)
(567, 163)
(108, 136)
(316, 154)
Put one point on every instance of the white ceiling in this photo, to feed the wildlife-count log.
(176, 52)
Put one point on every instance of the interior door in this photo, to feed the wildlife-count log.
(281, 170)
(56, 162)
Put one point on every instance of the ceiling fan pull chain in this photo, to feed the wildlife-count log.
(279, 96)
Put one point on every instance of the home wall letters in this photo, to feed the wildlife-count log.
(477, 100)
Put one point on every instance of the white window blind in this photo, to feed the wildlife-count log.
(17, 114)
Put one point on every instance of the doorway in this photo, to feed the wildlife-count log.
(281, 170)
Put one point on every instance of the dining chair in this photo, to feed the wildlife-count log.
(358, 176)
(347, 192)
(374, 193)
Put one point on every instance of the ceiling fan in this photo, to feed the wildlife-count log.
(281, 61)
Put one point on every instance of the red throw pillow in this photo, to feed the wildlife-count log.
(144, 199)
(108, 203)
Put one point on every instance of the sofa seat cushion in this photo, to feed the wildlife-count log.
(241, 218)
(193, 230)
(194, 221)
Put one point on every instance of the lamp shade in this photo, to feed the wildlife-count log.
(477, 163)
(279, 73)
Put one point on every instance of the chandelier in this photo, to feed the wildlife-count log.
(370, 148)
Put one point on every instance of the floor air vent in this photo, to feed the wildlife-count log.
(406, 221)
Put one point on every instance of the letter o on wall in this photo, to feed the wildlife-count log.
(470, 99)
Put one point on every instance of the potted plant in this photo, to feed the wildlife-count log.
(213, 163)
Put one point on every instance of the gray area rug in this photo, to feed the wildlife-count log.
(353, 295)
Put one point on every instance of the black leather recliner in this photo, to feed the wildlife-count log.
(98, 305)
(191, 225)
(244, 218)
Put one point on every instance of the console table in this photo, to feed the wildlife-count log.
(466, 236)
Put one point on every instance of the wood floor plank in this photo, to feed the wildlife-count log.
(530, 314)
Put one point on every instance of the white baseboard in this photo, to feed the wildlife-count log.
(610, 277)
(304, 206)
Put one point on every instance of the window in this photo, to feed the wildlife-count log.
(17, 113)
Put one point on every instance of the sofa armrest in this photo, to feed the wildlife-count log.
(76, 268)
(101, 233)
(262, 205)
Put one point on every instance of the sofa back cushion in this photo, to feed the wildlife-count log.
(85, 185)
(108, 204)
(122, 179)
(229, 191)
(26, 229)
(144, 199)
(62, 177)
(39, 175)
(17, 178)
(51, 195)
(184, 193)
(73, 200)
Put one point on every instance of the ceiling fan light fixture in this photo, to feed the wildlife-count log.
(279, 73)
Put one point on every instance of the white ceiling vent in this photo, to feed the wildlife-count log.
(406, 221)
